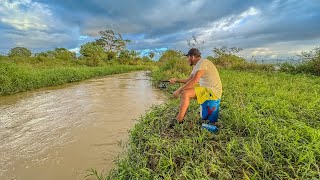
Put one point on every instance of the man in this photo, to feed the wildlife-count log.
(204, 72)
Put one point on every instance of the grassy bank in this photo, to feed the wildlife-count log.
(269, 129)
(15, 77)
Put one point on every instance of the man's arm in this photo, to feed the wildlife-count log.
(190, 83)
(174, 80)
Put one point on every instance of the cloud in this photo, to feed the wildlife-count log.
(34, 25)
(25, 15)
(263, 52)
(274, 26)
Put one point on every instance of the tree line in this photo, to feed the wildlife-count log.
(110, 46)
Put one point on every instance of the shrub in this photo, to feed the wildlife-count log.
(19, 52)
(172, 64)
(170, 54)
(64, 54)
(253, 66)
(93, 54)
(310, 64)
(287, 67)
(227, 60)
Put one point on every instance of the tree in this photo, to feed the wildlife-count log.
(93, 53)
(112, 41)
(225, 57)
(170, 54)
(312, 55)
(226, 51)
(50, 54)
(311, 62)
(19, 52)
(194, 43)
(64, 54)
(124, 57)
(127, 56)
(59, 53)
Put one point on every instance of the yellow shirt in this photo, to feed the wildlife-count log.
(210, 79)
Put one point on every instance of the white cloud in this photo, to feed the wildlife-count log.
(25, 15)
(222, 32)
(280, 49)
(227, 24)
(262, 52)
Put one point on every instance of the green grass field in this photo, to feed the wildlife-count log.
(269, 129)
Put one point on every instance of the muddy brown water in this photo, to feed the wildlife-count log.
(60, 132)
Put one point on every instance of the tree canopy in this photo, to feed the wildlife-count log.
(20, 52)
(112, 41)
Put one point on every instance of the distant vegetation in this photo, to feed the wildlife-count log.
(20, 70)
(310, 64)
(110, 48)
(226, 58)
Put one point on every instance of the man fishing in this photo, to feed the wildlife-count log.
(204, 72)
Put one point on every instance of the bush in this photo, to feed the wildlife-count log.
(310, 64)
(64, 54)
(227, 60)
(19, 52)
(173, 65)
(110, 55)
(93, 54)
(287, 67)
(253, 66)
(170, 54)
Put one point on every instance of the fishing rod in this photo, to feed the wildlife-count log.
(144, 79)
(163, 84)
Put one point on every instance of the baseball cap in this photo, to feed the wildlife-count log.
(193, 51)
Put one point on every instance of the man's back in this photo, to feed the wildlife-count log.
(210, 78)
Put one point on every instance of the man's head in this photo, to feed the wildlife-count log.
(194, 56)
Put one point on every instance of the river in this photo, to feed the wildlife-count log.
(62, 131)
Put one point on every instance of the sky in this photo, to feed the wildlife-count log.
(262, 28)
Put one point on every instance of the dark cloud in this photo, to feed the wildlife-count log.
(156, 24)
(154, 17)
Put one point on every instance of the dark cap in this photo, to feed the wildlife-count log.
(193, 51)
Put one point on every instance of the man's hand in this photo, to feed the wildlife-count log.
(173, 80)
(176, 93)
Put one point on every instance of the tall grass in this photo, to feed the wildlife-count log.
(18, 77)
(269, 129)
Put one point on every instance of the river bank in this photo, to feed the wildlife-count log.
(269, 129)
(16, 78)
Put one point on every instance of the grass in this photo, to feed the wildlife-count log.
(18, 77)
(269, 129)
